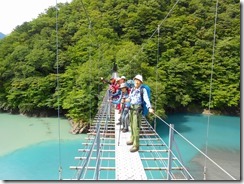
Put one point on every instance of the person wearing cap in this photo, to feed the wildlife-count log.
(117, 94)
(110, 82)
(118, 90)
(124, 118)
(112, 85)
(135, 100)
(123, 79)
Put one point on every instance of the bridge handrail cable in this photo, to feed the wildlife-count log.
(196, 147)
(164, 162)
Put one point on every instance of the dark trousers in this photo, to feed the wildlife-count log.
(125, 118)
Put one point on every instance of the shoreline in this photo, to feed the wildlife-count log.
(18, 131)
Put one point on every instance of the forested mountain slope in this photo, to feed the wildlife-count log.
(176, 61)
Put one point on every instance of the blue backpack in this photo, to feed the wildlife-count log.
(144, 108)
(130, 83)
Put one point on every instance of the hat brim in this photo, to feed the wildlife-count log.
(137, 79)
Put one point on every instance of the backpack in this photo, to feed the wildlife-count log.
(130, 83)
(144, 108)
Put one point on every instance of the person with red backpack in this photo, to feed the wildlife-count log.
(117, 93)
(137, 97)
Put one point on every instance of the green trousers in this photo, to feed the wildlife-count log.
(135, 124)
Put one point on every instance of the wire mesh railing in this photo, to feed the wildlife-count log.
(97, 153)
(161, 160)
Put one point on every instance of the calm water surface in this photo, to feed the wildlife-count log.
(40, 161)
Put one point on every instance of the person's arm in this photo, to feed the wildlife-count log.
(128, 99)
(118, 100)
(105, 81)
(118, 92)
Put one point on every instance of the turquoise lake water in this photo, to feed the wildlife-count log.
(41, 161)
(223, 132)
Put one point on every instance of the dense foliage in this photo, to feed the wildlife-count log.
(175, 59)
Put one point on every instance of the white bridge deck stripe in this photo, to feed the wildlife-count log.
(128, 165)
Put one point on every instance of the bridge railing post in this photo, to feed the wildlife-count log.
(98, 150)
(171, 137)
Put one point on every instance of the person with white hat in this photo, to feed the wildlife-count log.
(123, 79)
(135, 100)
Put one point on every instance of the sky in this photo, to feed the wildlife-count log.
(16, 12)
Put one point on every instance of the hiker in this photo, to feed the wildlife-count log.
(117, 94)
(124, 118)
(118, 90)
(136, 99)
(113, 87)
(123, 79)
(129, 83)
(110, 82)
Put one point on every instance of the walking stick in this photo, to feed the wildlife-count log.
(120, 122)
(119, 133)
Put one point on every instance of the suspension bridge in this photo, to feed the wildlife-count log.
(105, 156)
(106, 152)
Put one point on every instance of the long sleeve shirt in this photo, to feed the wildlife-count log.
(136, 99)
(117, 93)
(118, 101)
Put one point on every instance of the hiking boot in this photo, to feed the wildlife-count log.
(134, 149)
(130, 142)
(125, 130)
(119, 123)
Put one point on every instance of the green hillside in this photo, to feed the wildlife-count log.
(175, 60)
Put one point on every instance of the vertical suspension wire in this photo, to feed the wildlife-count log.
(89, 58)
(58, 97)
(90, 72)
(210, 88)
(156, 69)
(92, 35)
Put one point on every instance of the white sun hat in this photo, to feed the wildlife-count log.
(139, 77)
(123, 85)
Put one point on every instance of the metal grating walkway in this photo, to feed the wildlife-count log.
(105, 155)
(128, 165)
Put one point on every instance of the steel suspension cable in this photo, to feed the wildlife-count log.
(151, 142)
(196, 147)
(58, 97)
(165, 18)
(81, 174)
(90, 74)
(180, 161)
(210, 88)
(156, 30)
(156, 71)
